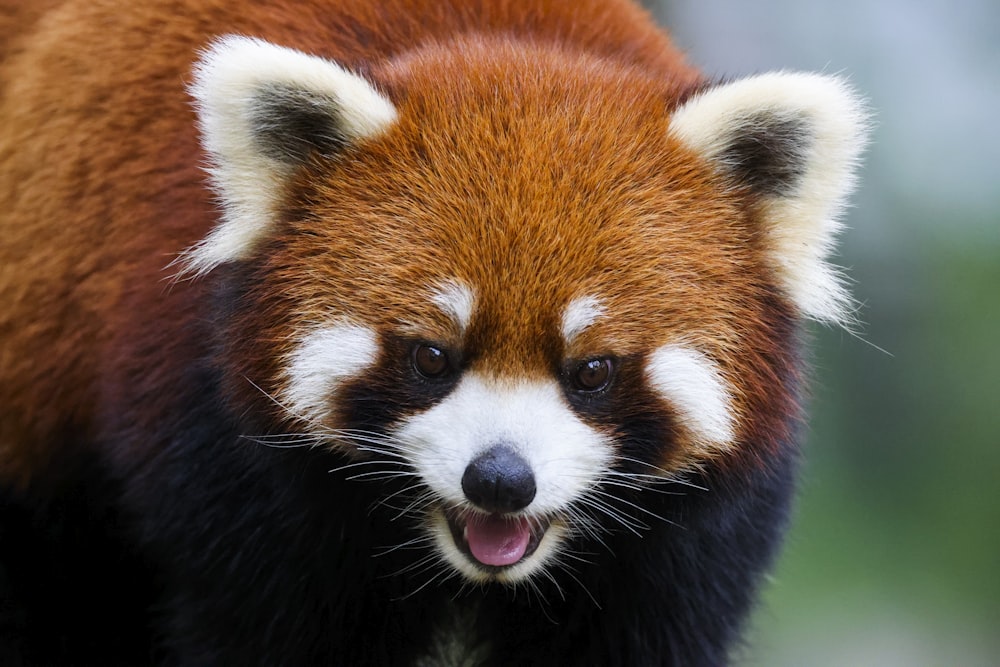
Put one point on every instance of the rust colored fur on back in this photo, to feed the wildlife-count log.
(104, 125)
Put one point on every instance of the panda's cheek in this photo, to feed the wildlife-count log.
(324, 359)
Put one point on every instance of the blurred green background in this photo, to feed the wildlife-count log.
(894, 558)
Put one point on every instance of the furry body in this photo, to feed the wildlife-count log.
(484, 350)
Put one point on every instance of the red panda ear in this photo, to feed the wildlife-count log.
(793, 141)
(262, 110)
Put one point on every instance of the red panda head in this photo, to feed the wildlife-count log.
(530, 281)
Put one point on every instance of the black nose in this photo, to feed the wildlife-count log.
(499, 480)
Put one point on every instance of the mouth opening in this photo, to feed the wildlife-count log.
(495, 541)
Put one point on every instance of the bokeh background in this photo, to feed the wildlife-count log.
(894, 558)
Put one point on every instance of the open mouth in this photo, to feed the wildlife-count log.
(495, 541)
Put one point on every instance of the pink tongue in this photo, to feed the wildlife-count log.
(494, 540)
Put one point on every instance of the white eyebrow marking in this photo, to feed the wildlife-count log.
(581, 313)
(693, 384)
(325, 358)
(457, 300)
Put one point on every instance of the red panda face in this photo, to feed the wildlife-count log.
(529, 283)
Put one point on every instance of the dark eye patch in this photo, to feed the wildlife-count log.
(410, 377)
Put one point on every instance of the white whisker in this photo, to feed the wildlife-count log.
(415, 543)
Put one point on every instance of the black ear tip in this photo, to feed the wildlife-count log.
(792, 139)
(257, 99)
(768, 151)
(264, 109)
(288, 123)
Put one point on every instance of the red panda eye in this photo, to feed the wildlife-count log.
(593, 374)
(430, 362)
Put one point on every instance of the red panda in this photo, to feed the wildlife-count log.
(425, 332)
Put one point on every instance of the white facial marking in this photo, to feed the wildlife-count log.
(581, 313)
(531, 417)
(802, 225)
(693, 385)
(566, 455)
(324, 359)
(228, 81)
(458, 301)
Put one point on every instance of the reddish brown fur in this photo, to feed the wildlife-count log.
(603, 202)
(101, 188)
(532, 163)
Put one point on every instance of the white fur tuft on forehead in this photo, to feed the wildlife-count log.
(457, 301)
(579, 315)
(794, 141)
(262, 111)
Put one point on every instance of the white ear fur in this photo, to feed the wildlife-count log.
(261, 109)
(795, 140)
